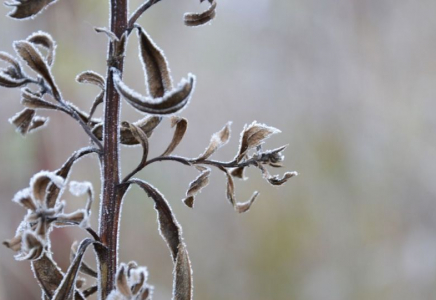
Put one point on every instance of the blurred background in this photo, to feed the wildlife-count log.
(352, 86)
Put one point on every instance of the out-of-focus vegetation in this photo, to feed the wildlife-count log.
(352, 86)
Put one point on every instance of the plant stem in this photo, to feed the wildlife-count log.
(110, 204)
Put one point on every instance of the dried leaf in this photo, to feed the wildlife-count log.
(252, 136)
(195, 187)
(66, 289)
(22, 120)
(112, 36)
(10, 82)
(84, 267)
(45, 40)
(148, 124)
(169, 228)
(197, 19)
(217, 140)
(121, 282)
(245, 206)
(40, 181)
(183, 287)
(171, 102)
(230, 194)
(155, 65)
(14, 244)
(6, 57)
(27, 8)
(91, 77)
(32, 247)
(48, 274)
(38, 123)
(53, 191)
(34, 60)
(181, 126)
(238, 172)
(32, 101)
(275, 179)
(140, 136)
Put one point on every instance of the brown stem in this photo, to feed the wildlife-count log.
(110, 204)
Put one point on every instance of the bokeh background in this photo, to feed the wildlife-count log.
(352, 86)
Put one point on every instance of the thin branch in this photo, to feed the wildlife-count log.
(139, 11)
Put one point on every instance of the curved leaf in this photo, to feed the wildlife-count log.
(181, 126)
(45, 40)
(197, 19)
(27, 8)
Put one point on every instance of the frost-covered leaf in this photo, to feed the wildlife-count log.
(45, 40)
(8, 81)
(84, 267)
(66, 289)
(183, 287)
(169, 228)
(252, 136)
(196, 186)
(91, 77)
(197, 19)
(217, 140)
(24, 9)
(112, 36)
(238, 172)
(171, 102)
(32, 247)
(30, 100)
(38, 123)
(36, 62)
(6, 57)
(48, 274)
(230, 194)
(53, 191)
(22, 120)
(141, 137)
(181, 126)
(148, 124)
(155, 65)
(41, 180)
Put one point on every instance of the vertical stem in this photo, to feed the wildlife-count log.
(110, 204)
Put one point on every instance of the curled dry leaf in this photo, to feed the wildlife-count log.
(91, 77)
(147, 125)
(37, 123)
(171, 102)
(275, 179)
(181, 126)
(230, 193)
(171, 231)
(197, 19)
(196, 186)
(217, 140)
(6, 57)
(252, 136)
(6, 80)
(45, 40)
(155, 65)
(48, 274)
(34, 60)
(238, 173)
(24, 9)
(141, 137)
(112, 36)
(32, 247)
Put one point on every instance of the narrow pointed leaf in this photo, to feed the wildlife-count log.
(183, 286)
(230, 194)
(38, 123)
(34, 60)
(181, 126)
(155, 65)
(112, 36)
(48, 274)
(245, 206)
(169, 228)
(24, 9)
(84, 267)
(171, 102)
(196, 186)
(9, 82)
(217, 140)
(45, 40)
(197, 19)
(66, 289)
(6, 57)
(140, 136)
(148, 124)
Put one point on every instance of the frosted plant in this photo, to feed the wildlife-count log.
(42, 199)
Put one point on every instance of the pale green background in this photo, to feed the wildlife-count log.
(352, 86)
